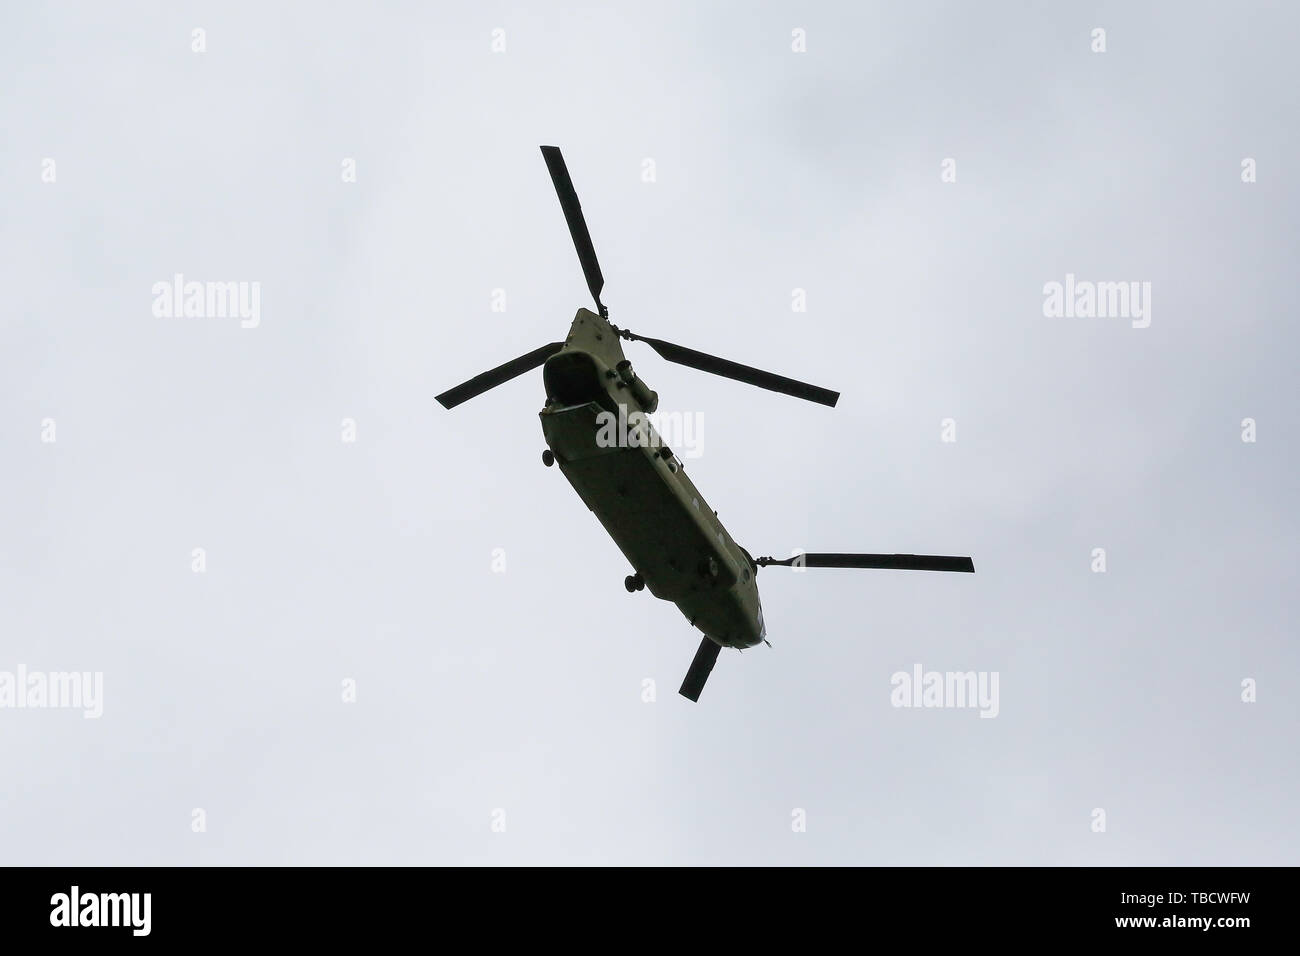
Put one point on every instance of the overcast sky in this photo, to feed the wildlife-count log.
(516, 699)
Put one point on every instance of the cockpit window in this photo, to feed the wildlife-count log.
(572, 378)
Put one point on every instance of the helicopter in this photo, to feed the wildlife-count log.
(635, 485)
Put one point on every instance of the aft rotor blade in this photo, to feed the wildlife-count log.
(901, 562)
(502, 373)
(701, 667)
(741, 373)
(577, 223)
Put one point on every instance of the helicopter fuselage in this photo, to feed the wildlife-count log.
(594, 423)
(597, 431)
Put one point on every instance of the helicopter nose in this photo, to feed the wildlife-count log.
(572, 378)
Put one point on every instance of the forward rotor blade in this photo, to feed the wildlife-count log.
(901, 562)
(741, 373)
(701, 667)
(502, 373)
(577, 223)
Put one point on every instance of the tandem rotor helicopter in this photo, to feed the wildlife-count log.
(639, 491)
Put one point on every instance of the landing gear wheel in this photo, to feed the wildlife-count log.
(548, 458)
(634, 582)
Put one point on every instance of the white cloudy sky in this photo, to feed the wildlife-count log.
(522, 691)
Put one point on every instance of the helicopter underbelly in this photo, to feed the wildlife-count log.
(662, 525)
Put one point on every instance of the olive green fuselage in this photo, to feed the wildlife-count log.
(638, 489)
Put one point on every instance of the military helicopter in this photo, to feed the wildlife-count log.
(636, 486)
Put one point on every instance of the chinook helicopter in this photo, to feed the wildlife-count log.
(637, 488)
